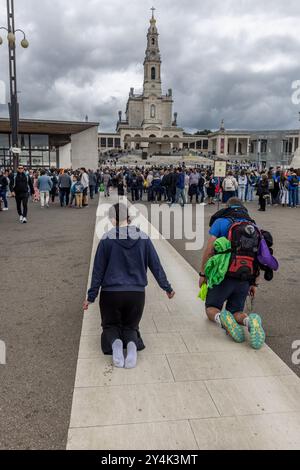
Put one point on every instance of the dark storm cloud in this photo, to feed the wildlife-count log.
(232, 59)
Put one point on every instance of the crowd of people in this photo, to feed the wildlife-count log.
(173, 185)
(233, 236)
(72, 188)
(182, 185)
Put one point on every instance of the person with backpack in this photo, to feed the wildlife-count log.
(64, 184)
(229, 185)
(3, 189)
(242, 186)
(121, 262)
(21, 186)
(236, 231)
(77, 190)
(293, 188)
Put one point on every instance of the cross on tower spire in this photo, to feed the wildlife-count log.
(153, 10)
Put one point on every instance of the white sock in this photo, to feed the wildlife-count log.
(246, 323)
(131, 358)
(118, 356)
(218, 320)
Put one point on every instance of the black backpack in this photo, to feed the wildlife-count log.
(294, 180)
(245, 238)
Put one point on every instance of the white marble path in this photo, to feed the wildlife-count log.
(193, 388)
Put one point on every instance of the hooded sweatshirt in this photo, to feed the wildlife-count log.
(121, 263)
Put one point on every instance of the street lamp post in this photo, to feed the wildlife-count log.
(13, 106)
(258, 152)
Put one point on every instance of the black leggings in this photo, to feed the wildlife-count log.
(121, 313)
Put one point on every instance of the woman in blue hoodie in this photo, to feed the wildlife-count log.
(120, 269)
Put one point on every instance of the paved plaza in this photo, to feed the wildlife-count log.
(193, 387)
(44, 267)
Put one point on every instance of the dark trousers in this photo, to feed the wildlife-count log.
(22, 200)
(92, 190)
(140, 192)
(227, 195)
(134, 194)
(85, 197)
(262, 202)
(64, 193)
(121, 313)
(201, 194)
(53, 194)
(171, 193)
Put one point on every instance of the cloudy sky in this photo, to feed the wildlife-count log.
(231, 59)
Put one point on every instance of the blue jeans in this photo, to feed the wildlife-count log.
(4, 198)
(180, 194)
(250, 193)
(293, 196)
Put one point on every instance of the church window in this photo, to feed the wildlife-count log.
(153, 42)
(152, 111)
(153, 73)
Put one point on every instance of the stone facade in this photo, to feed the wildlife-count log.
(149, 115)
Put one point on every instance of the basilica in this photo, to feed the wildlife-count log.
(149, 124)
(150, 127)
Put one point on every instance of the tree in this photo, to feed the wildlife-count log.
(204, 132)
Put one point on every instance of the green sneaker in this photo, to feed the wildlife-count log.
(257, 334)
(232, 327)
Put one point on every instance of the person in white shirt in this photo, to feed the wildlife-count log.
(230, 186)
(85, 183)
(242, 181)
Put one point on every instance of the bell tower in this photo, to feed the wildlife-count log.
(152, 62)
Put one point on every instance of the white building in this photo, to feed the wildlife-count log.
(149, 122)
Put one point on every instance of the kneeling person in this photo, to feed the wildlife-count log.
(120, 269)
(241, 275)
